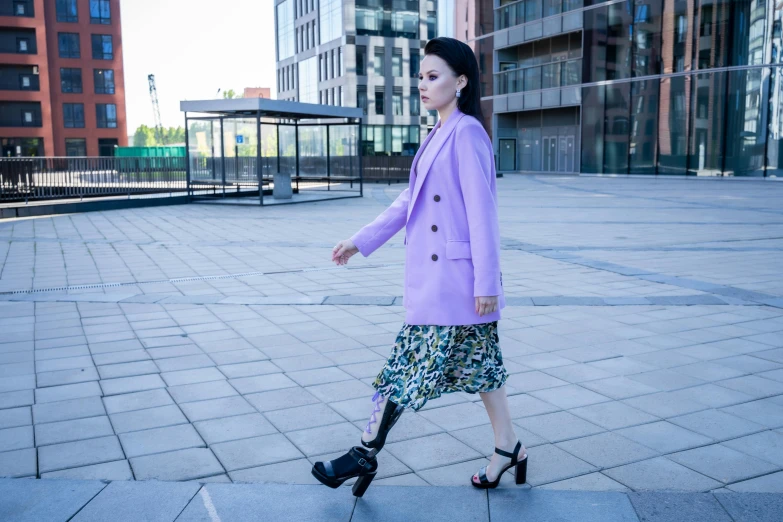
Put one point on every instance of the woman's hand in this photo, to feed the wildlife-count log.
(343, 251)
(486, 305)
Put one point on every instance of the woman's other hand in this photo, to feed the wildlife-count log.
(343, 251)
(486, 305)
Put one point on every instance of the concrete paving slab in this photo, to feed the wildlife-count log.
(660, 474)
(151, 501)
(256, 451)
(237, 502)
(80, 453)
(233, 428)
(19, 463)
(160, 440)
(45, 500)
(682, 507)
(138, 420)
(606, 450)
(723, 463)
(441, 504)
(186, 464)
(551, 506)
(117, 470)
(752, 507)
(72, 430)
(137, 401)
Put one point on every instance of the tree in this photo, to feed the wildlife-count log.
(144, 137)
(230, 94)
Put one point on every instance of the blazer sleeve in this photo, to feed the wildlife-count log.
(391, 220)
(477, 184)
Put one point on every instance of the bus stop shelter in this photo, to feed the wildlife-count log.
(260, 151)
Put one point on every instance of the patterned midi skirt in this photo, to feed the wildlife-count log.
(428, 361)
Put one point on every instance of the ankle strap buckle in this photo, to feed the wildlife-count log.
(362, 462)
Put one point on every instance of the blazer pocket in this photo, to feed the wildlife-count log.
(458, 249)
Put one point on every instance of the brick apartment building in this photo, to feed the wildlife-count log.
(61, 78)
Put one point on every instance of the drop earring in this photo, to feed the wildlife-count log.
(458, 92)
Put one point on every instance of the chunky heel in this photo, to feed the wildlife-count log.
(361, 485)
(521, 474)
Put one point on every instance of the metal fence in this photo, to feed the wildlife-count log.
(36, 179)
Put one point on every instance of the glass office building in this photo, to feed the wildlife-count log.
(666, 87)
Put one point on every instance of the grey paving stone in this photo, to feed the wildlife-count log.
(535, 380)
(340, 391)
(666, 380)
(249, 369)
(289, 472)
(80, 453)
(72, 430)
(257, 451)
(67, 391)
(431, 451)
(589, 482)
(552, 506)
(17, 398)
(660, 474)
(18, 463)
(201, 391)
(61, 377)
(717, 424)
(607, 450)
(752, 507)
(120, 357)
(186, 464)
(238, 356)
(711, 395)
(194, 376)
(664, 437)
(302, 417)
(149, 501)
(613, 415)
(456, 416)
(68, 409)
(234, 428)
(767, 445)
(138, 420)
(570, 396)
(559, 426)
(128, 369)
(683, 507)
(619, 387)
(242, 501)
(216, 408)
(318, 376)
(137, 401)
(67, 363)
(117, 470)
(723, 463)
(160, 440)
(772, 483)
(186, 362)
(325, 439)
(754, 386)
(50, 500)
(14, 417)
(131, 384)
(766, 412)
(16, 438)
(261, 383)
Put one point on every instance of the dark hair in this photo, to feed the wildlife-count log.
(461, 60)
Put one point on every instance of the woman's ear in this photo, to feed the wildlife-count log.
(462, 82)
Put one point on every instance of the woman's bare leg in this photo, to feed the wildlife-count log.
(496, 403)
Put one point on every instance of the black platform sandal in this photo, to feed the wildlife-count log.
(521, 471)
(391, 413)
(358, 462)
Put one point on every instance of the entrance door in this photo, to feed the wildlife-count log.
(106, 146)
(507, 154)
(550, 154)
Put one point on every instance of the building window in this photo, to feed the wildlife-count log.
(68, 44)
(308, 80)
(73, 115)
(432, 23)
(339, 101)
(23, 45)
(71, 80)
(397, 102)
(20, 8)
(361, 60)
(66, 11)
(106, 115)
(331, 20)
(104, 81)
(361, 97)
(414, 102)
(378, 62)
(100, 12)
(396, 62)
(340, 62)
(415, 60)
(75, 147)
(285, 30)
(106, 146)
(25, 82)
(332, 58)
(379, 100)
(102, 48)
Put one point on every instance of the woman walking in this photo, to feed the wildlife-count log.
(453, 285)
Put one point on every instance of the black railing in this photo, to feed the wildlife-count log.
(29, 179)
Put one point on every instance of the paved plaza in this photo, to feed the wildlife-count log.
(216, 344)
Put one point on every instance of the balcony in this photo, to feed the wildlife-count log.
(549, 85)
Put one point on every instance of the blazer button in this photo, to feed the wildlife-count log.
(436, 198)
(434, 257)
(434, 228)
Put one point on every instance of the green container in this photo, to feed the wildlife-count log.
(150, 152)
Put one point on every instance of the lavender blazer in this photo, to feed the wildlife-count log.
(452, 237)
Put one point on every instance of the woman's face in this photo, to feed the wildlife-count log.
(437, 83)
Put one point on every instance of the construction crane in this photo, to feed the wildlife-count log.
(159, 134)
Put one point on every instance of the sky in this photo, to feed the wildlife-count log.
(194, 48)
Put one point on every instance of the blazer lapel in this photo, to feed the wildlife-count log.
(436, 140)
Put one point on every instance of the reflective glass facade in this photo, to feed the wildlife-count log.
(666, 87)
